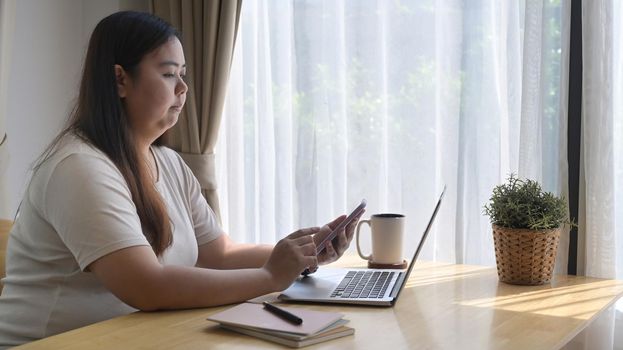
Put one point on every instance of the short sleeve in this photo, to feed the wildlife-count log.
(88, 203)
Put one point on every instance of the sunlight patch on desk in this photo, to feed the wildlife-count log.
(423, 274)
(430, 280)
(579, 301)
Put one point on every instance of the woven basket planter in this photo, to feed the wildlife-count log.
(525, 256)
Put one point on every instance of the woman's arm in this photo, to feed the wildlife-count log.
(136, 276)
(223, 253)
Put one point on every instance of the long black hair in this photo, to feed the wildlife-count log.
(99, 117)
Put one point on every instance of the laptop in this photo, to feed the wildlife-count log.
(363, 286)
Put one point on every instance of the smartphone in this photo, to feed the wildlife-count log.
(320, 247)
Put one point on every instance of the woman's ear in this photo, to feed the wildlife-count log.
(122, 80)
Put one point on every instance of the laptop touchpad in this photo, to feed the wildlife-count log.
(321, 283)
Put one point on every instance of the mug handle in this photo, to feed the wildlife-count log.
(365, 257)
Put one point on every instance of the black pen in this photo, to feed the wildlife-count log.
(282, 313)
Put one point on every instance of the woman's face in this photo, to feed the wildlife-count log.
(154, 96)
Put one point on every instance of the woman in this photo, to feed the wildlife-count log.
(112, 223)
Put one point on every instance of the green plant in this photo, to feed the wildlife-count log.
(523, 204)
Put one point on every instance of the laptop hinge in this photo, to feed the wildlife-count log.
(397, 285)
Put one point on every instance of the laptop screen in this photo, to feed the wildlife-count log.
(422, 240)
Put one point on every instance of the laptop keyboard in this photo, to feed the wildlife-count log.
(363, 284)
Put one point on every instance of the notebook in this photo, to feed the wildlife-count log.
(252, 319)
(376, 287)
(295, 341)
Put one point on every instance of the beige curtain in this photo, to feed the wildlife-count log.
(7, 13)
(208, 35)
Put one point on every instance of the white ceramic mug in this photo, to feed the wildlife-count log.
(387, 231)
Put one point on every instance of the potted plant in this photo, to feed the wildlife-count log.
(527, 223)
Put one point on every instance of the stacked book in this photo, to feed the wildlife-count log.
(258, 321)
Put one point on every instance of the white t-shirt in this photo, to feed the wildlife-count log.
(77, 209)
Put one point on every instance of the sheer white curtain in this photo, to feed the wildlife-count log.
(601, 216)
(602, 138)
(334, 101)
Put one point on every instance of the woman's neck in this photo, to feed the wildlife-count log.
(149, 159)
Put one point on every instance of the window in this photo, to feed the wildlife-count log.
(333, 101)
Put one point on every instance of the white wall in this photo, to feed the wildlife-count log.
(7, 9)
(49, 43)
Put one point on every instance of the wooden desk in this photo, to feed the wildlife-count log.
(443, 306)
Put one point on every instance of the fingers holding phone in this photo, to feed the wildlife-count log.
(349, 233)
(332, 245)
(322, 238)
(291, 255)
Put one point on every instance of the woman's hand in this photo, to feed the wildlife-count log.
(290, 256)
(336, 247)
